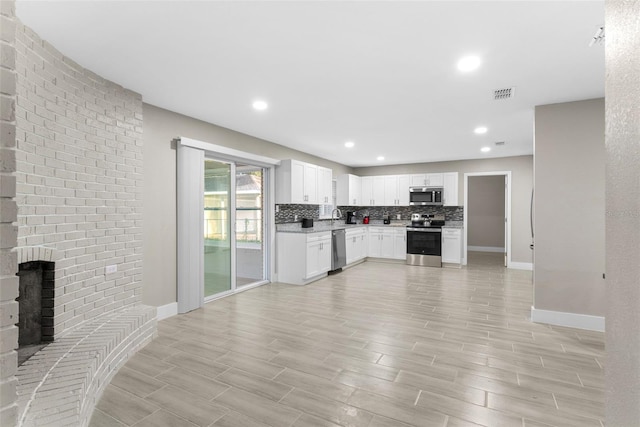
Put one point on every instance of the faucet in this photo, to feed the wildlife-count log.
(333, 216)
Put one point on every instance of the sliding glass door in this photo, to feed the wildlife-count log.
(234, 256)
(217, 227)
(250, 254)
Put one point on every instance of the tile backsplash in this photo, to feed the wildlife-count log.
(287, 213)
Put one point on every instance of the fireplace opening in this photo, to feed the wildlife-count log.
(35, 305)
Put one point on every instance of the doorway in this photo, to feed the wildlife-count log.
(487, 218)
(224, 223)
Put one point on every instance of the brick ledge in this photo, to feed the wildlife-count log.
(62, 383)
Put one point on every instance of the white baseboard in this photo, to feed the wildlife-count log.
(485, 249)
(571, 320)
(521, 265)
(167, 310)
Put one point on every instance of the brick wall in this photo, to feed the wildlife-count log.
(79, 180)
(8, 229)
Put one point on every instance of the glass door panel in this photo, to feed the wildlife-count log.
(249, 225)
(217, 227)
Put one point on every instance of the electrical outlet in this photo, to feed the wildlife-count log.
(295, 217)
(277, 208)
(110, 269)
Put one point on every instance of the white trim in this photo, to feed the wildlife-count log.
(226, 153)
(167, 310)
(507, 175)
(570, 320)
(521, 265)
(485, 249)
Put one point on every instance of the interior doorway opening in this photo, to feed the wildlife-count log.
(487, 218)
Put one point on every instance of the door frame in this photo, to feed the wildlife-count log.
(507, 175)
(190, 179)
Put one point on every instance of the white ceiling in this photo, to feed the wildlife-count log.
(382, 74)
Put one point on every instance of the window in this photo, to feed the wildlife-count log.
(326, 210)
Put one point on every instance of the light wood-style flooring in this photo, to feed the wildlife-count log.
(379, 344)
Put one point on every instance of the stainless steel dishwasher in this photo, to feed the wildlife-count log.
(338, 250)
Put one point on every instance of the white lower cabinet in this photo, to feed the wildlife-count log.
(452, 245)
(387, 242)
(356, 244)
(302, 257)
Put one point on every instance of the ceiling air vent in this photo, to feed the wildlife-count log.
(506, 93)
(499, 143)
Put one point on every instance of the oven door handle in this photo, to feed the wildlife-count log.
(425, 230)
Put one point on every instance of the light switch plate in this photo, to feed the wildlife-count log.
(111, 269)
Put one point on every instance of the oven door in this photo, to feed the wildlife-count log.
(427, 241)
(424, 247)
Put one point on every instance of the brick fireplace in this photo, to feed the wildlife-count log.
(72, 182)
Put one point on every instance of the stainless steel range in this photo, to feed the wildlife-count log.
(424, 240)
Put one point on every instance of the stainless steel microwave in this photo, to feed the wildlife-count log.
(425, 196)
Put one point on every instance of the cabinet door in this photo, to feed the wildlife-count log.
(391, 190)
(400, 244)
(310, 183)
(387, 245)
(450, 189)
(313, 259)
(375, 244)
(351, 246)
(451, 245)
(404, 182)
(377, 193)
(355, 190)
(366, 198)
(297, 182)
(324, 256)
(434, 180)
(419, 180)
(325, 177)
(364, 245)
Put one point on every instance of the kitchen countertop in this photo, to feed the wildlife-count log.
(453, 224)
(320, 226)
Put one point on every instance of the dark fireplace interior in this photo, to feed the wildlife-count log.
(35, 304)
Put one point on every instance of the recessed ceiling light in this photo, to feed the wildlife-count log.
(468, 63)
(260, 105)
(349, 144)
(485, 149)
(480, 130)
(380, 158)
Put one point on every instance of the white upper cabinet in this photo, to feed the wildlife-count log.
(297, 182)
(349, 189)
(372, 191)
(391, 190)
(325, 177)
(396, 190)
(427, 180)
(450, 197)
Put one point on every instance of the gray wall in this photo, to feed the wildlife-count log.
(485, 211)
(623, 213)
(569, 207)
(521, 168)
(159, 197)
